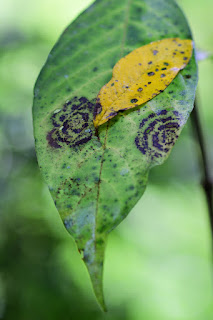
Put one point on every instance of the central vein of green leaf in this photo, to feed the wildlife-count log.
(125, 27)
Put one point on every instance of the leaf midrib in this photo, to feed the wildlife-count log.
(126, 20)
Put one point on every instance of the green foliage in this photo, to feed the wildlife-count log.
(96, 178)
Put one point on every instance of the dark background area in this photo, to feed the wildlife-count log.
(158, 261)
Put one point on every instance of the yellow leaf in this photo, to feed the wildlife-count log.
(142, 75)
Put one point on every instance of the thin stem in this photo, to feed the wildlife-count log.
(206, 180)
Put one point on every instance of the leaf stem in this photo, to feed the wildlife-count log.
(206, 181)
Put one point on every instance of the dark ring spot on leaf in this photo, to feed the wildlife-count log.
(73, 124)
(134, 100)
(157, 134)
(187, 76)
(112, 114)
(97, 109)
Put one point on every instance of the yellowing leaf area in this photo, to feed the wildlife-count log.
(142, 75)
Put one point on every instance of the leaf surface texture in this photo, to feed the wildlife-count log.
(95, 180)
(142, 75)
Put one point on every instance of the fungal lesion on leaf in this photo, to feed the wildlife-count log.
(72, 124)
(158, 133)
(132, 85)
(74, 191)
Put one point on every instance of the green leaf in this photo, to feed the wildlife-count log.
(96, 178)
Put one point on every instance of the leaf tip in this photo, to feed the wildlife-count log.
(93, 259)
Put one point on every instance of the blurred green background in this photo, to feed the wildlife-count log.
(158, 261)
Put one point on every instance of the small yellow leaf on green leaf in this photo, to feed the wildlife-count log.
(142, 75)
